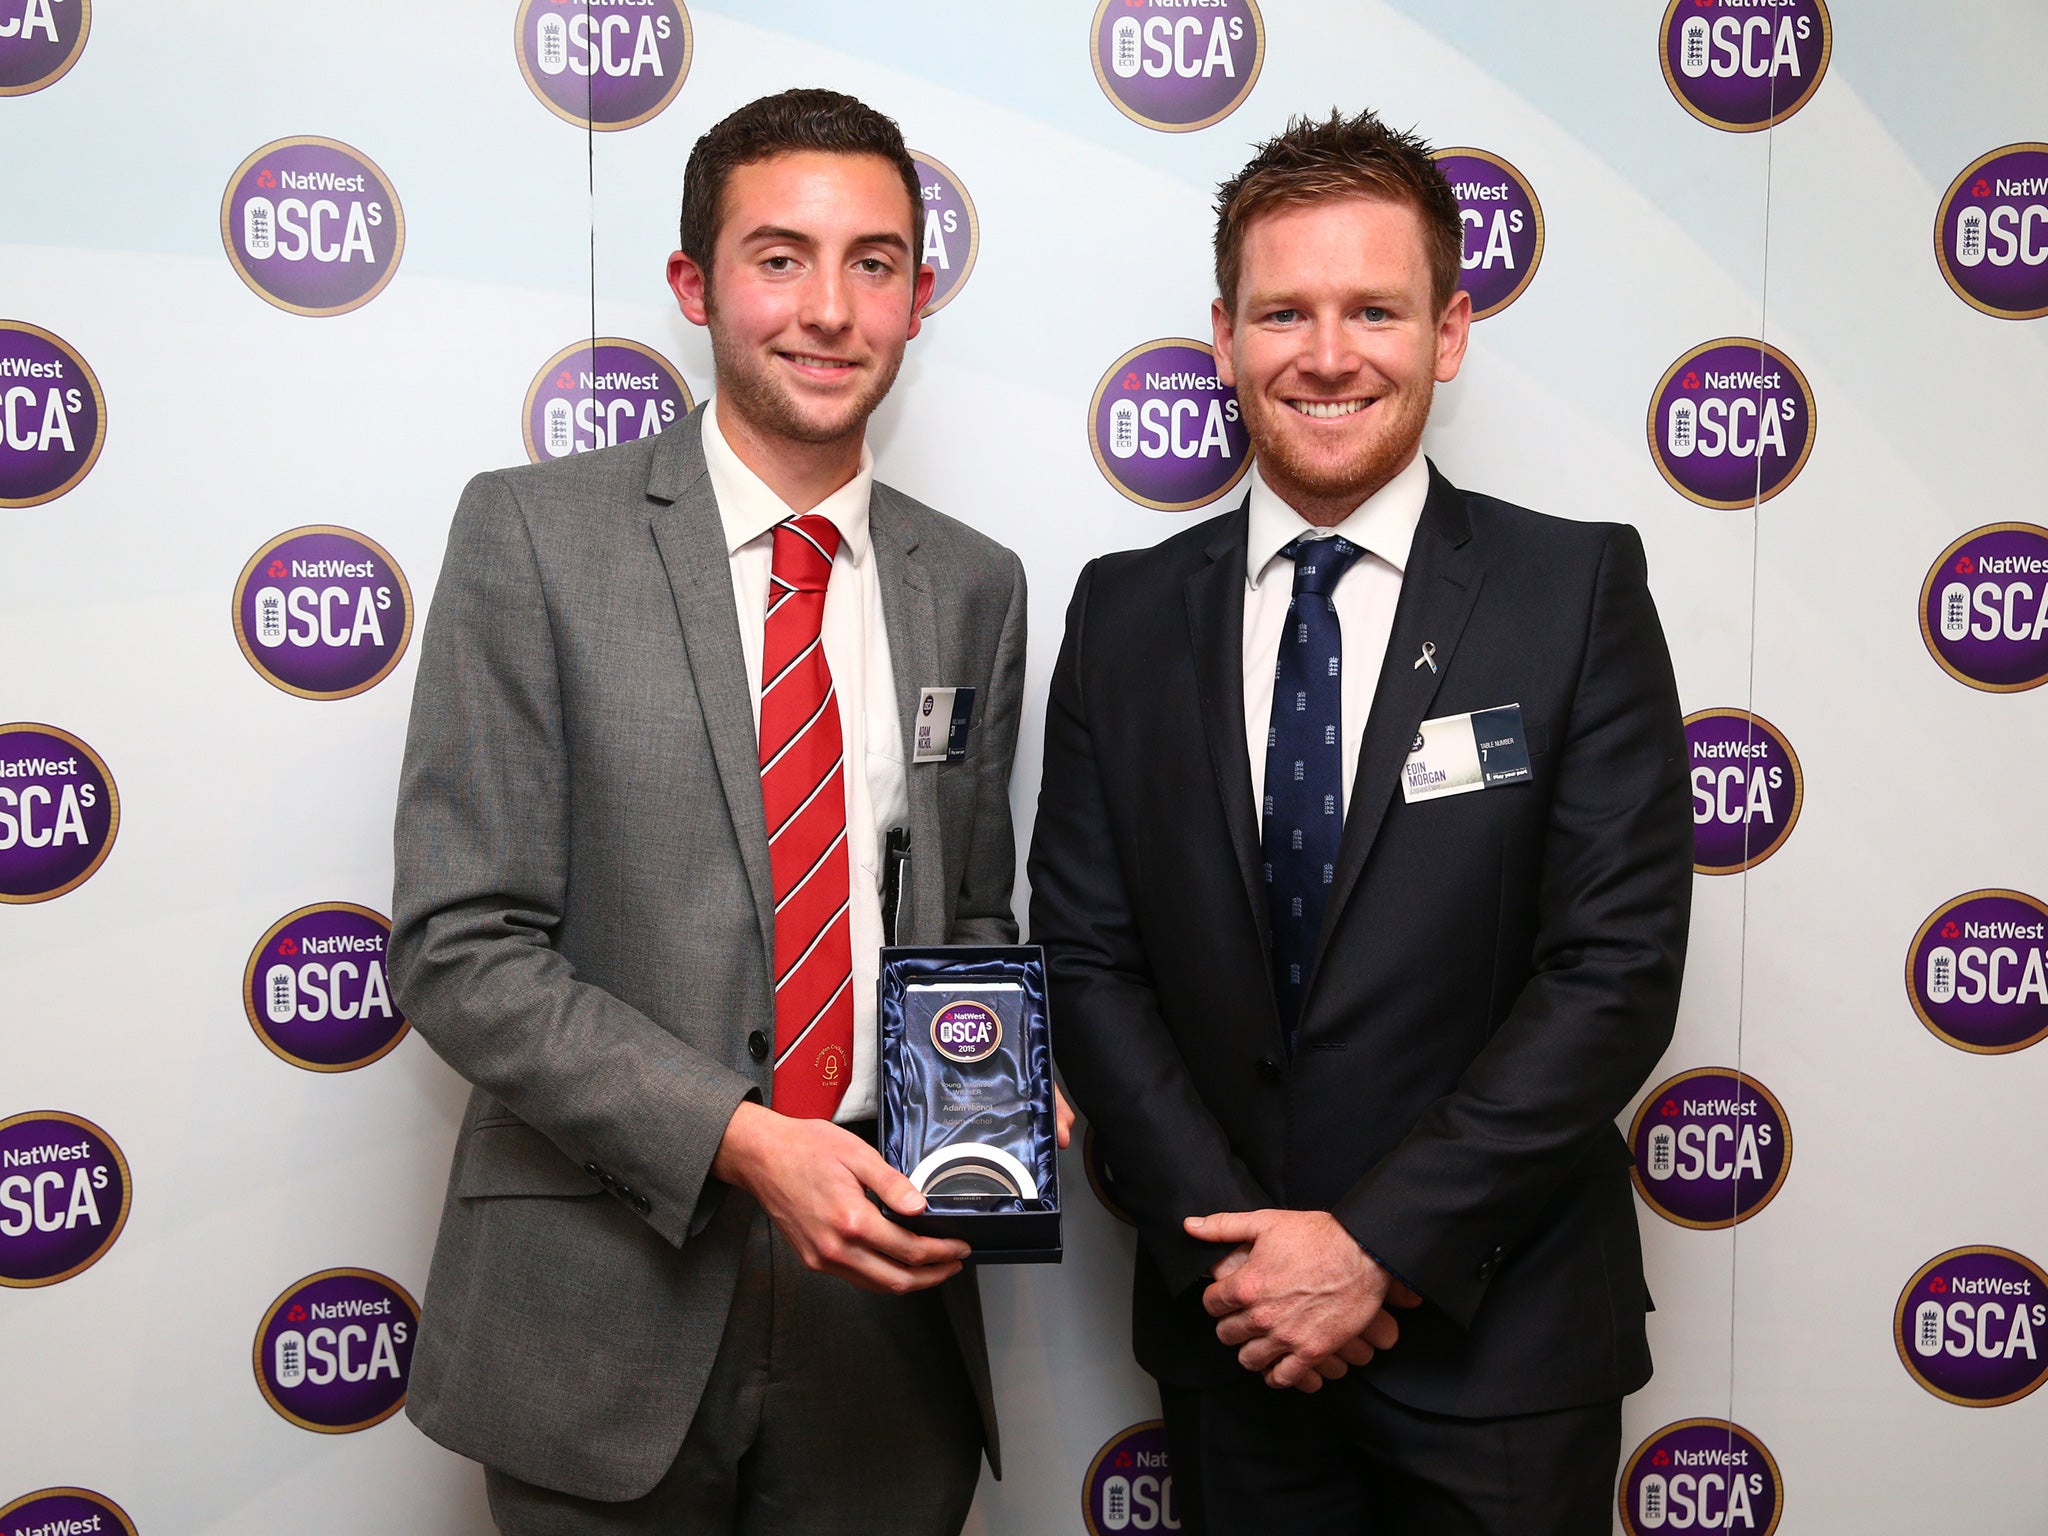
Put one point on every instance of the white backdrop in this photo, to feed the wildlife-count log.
(231, 421)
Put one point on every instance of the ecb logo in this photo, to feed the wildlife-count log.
(1984, 608)
(1712, 1148)
(952, 232)
(318, 992)
(1707, 1474)
(39, 42)
(1129, 1486)
(1163, 64)
(58, 812)
(1165, 430)
(1746, 790)
(966, 1032)
(65, 1512)
(596, 395)
(334, 1352)
(1731, 423)
(64, 1192)
(1741, 68)
(1991, 234)
(1977, 973)
(53, 418)
(1102, 1178)
(323, 613)
(1503, 227)
(597, 65)
(312, 226)
(1968, 1326)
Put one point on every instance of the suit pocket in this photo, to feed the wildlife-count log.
(509, 1157)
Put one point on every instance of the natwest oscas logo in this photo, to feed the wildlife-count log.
(1707, 1474)
(1174, 67)
(1741, 67)
(952, 231)
(966, 1032)
(1977, 972)
(1165, 430)
(1712, 1148)
(317, 990)
(59, 812)
(1984, 608)
(1731, 423)
(322, 612)
(1503, 227)
(65, 1512)
(39, 42)
(1968, 1326)
(600, 64)
(53, 417)
(1991, 233)
(598, 394)
(1746, 789)
(334, 1352)
(312, 226)
(1129, 1486)
(64, 1194)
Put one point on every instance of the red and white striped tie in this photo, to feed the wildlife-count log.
(803, 792)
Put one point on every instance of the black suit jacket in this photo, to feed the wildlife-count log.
(1498, 971)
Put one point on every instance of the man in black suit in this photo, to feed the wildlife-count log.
(1352, 1037)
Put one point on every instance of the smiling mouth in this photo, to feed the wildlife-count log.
(1328, 410)
(804, 360)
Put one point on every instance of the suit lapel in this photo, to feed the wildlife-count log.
(690, 539)
(1215, 597)
(910, 617)
(1438, 588)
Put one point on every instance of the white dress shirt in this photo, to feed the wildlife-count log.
(857, 650)
(1383, 525)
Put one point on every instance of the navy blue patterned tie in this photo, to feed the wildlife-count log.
(1303, 816)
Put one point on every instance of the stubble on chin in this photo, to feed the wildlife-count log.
(1327, 478)
(763, 400)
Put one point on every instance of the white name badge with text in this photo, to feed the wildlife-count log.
(941, 729)
(1457, 754)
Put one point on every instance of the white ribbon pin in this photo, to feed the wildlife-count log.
(1428, 655)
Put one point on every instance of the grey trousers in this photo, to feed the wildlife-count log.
(829, 1410)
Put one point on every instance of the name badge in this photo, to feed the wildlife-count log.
(940, 735)
(1457, 754)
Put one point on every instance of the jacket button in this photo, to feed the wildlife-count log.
(640, 1204)
(757, 1046)
(1269, 1069)
(593, 1170)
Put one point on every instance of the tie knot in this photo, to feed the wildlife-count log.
(1319, 562)
(804, 547)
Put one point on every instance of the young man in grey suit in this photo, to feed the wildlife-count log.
(659, 739)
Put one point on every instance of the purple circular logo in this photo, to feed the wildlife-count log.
(1712, 1148)
(323, 612)
(39, 42)
(59, 812)
(952, 232)
(1984, 608)
(603, 64)
(1707, 1474)
(1991, 235)
(966, 1032)
(1969, 1326)
(1165, 430)
(64, 1193)
(1733, 65)
(1746, 789)
(1174, 68)
(317, 990)
(596, 395)
(312, 226)
(333, 1352)
(53, 418)
(1978, 972)
(1101, 1178)
(1503, 227)
(1129, 1486)
(1731, 423)
(65, 1512)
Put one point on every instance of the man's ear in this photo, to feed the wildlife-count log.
(921, 295)
(692, 288)
(1224, 332)
(1453, 330)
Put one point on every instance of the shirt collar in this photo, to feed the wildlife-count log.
(749, 509)
(1383, 524)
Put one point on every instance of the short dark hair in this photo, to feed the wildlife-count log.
(1344, 157)
(779, 125)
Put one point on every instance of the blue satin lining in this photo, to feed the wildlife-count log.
(915, 1076)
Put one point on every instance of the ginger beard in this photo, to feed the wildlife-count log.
(1333, 466)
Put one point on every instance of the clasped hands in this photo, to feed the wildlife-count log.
(1296, 1296)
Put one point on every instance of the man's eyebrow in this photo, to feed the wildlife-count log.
(775, 232)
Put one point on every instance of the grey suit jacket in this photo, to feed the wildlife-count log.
(583, 926)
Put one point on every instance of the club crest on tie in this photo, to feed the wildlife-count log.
(831, 1065)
